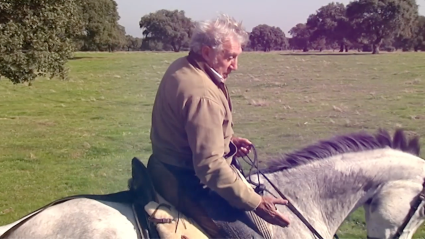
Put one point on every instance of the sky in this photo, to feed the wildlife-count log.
(280, 13)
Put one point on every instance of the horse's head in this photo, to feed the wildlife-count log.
(384, 174)
(396, 211)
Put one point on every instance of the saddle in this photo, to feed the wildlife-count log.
(160, 219)
(156, 217)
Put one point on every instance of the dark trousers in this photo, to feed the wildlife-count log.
(215, 215)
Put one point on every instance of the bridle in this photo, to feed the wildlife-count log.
(260, 188)
(419, 201)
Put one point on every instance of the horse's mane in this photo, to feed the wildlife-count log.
(348, 143)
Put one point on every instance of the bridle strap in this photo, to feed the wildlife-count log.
(412, 211)
(420, 198)
(254, 164)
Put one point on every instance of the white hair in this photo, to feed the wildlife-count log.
(214, 32)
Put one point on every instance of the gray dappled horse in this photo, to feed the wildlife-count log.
(325, 182)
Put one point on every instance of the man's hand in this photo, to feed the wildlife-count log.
(267, 211)
(243, 145)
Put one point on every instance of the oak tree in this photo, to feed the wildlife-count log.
(171, 28)
(377, 20)
(267, 38)
(36, 37)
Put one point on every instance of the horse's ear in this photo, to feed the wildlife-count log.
(399, 141)
(414, 147)
(383, 138)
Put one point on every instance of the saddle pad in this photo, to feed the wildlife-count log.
(186, 228)
(168, 218)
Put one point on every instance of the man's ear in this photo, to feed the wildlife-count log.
(206, 52)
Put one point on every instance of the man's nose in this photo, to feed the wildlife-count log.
(234, 65)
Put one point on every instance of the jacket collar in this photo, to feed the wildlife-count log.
(198, 61)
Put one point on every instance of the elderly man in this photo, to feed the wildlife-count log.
(192, 137)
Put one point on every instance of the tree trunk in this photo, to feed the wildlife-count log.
(375, 49)
(179, 47)
(376, 46)
(175, 46)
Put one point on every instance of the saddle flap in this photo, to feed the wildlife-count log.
(144, 192)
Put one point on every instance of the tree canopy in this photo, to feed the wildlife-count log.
(36, 37)
(171, 28)
(330, 24)
(393, 23)
(102, 31)
(374, 21)
(300, 36)
(267, 38)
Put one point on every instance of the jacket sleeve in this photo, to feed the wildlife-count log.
(203, 124)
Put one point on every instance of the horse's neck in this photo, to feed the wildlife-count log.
(327, 191)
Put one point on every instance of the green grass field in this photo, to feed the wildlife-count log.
(59, 138)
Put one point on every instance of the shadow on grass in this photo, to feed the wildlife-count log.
(84, 57)
(327, 54)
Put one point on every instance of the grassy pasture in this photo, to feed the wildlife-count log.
(59, 138)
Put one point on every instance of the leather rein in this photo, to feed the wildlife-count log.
(260, 188)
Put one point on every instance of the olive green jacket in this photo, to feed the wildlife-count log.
(192, 128)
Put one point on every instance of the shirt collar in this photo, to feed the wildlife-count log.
(197, 61)
(220, 78)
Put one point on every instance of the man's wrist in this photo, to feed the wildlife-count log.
(258, 203)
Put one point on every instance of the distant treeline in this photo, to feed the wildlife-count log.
(37, 37)
(362, 25)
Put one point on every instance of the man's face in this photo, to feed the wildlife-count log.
(225, 61)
